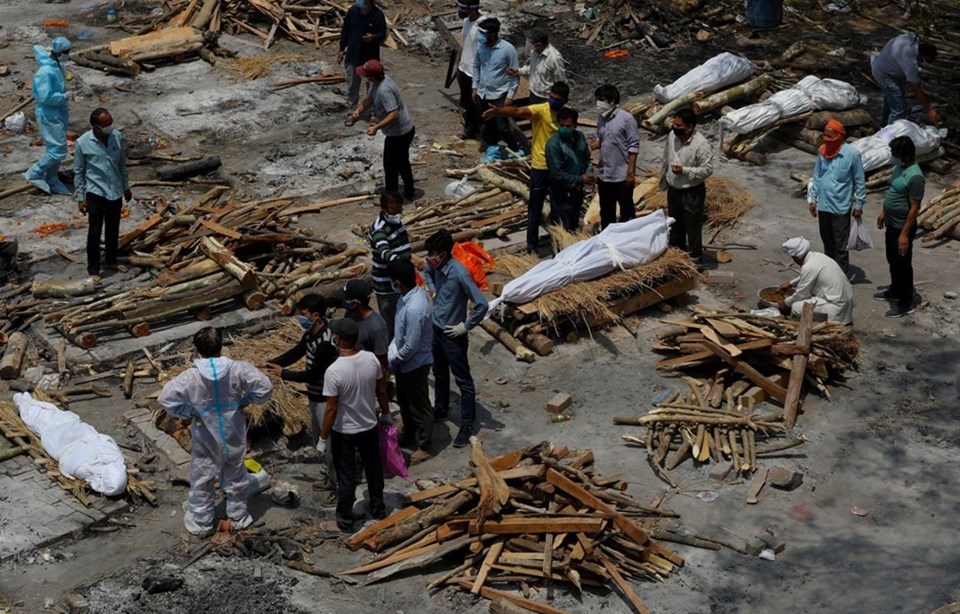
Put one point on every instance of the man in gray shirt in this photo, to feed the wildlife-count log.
(618, 140)
(374, 336)
(897, 68)
(687, 162)
(390, 115)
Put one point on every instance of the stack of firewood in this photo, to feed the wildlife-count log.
(537, 516)
(941, 214)
(207, 255)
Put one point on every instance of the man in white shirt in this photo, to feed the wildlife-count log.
(353, 386)
(469, 10)
(546, 67)
(822, 283)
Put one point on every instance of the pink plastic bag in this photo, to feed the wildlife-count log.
(390, 455)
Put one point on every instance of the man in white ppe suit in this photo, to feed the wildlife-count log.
(213, 395)
(822, 282)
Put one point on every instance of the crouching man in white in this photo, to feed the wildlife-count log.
(822, 283)
(213, 395)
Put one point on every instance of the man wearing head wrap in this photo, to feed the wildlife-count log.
(213, 395)
(837, 188)
(822, 283)
(50, 94)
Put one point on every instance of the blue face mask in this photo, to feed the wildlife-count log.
(555, 105)
(896, 161)
(565, 132)
(305, 322)
(396, 287)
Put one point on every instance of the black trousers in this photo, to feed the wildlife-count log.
(413, 397)
(498, 128)
(901, 267)
(835, 232)
(686, 207)
(565, 206)
(611, 193)
(468, 108)
(451, 355)
(539, 186)
(396, 163)
(387, 305)
(345, 448)
(104, 219)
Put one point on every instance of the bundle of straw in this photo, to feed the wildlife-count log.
(726, 201)
(256, 66)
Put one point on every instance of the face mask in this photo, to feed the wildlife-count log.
(64, 58)
(108, 130)
(393, 219)
(555, 105)
(434, 261)
(361, 4)
(350, 305)
(896, 161)
(396, 287)
(463, 13)
(565, 132)
(680, 132)
(335, 340)
(305, 322)
(604, 107)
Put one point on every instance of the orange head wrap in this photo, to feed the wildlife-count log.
(831, 146)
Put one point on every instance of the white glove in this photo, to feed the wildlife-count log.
(392, 353)
(457, 330)
(321, 446)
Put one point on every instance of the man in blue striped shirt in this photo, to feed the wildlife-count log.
(410, 357)
(388, 242)
(838, 185)
(454, 288)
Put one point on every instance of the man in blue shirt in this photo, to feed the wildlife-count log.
(454, 288)
(493, 83)
(100, 179)
(410, 357)
(364, 30)
(837, 183)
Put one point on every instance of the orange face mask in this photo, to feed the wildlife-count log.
(831, 145)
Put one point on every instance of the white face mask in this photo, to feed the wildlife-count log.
(604, 107)
(393, 219)
(106, 130)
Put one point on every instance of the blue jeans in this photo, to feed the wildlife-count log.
(894, 103)
(451, 355)
(539, 185)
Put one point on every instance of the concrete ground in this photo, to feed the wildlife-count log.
(882, 443)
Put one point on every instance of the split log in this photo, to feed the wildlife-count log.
(216, 251)
(327, 79)
(202, 19)
(107, 64)
(791, 403)
(63, 288)
(17, 190)
(175, 172)
(490, 177)
(128, 381)
(419, 521)
(496, 331)
(494, 492)
(12, 360)
(655, 123)
(155, 41)
(745, 90)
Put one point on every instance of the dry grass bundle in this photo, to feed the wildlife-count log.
(726, 201)
(256, 66)
(288, 406)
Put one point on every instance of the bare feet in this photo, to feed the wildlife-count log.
(419, 456)
(119, 268)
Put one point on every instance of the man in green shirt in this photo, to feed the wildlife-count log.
(568, 161)
(901, 206)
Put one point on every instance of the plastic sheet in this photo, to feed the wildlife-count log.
(715, 74)
(925, 139)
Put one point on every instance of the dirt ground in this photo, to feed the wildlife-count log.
(882, 442)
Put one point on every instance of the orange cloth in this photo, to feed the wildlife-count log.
(831, 146)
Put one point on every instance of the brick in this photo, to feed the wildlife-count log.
(115, 507)
(784, 478)
(773, 542)
(559, 402)
(723, 278)
(720, 471)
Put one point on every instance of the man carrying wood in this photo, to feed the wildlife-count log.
(896, 69)
(453, 288)
(388, 242)
(837, 187)
(353, 386)
(315, 345)
(100, 179)
(686, 164)
(822, 283)
(618, 139)
(364, 30)
(411, 356)
(543, 122)
(568, 162)
(50, 93)
(213, 395)
(391, 116)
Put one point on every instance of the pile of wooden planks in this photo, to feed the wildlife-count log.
(941, 215)
(206, 255)
(531, 517)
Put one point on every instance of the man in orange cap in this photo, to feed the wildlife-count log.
(837, 188)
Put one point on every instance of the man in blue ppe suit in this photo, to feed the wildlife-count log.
(50, 94)
(213, 395)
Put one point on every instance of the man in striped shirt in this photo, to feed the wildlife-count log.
(388, 242)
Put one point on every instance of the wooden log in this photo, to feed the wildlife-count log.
(496, 331)
(12, 360)
(184, 170)
(326, 79)
(115, 66)
(56, 288)
(145, 227)
(491, 177)
(533, 606)
(744, 90)
(494, 492)
(128, 380)
(791, 403)
(850, 117)
(203, 17)
(774, 390)
(655, 123)
(541, 344)
(154, 41)
(13, 452)
(16, 190)
(216, 251)
(419, 521)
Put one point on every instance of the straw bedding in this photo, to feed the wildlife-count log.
(256, 66)
(726, 201)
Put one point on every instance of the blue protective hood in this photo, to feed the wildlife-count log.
(42, 56)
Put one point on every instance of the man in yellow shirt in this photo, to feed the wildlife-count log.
(543, 122)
